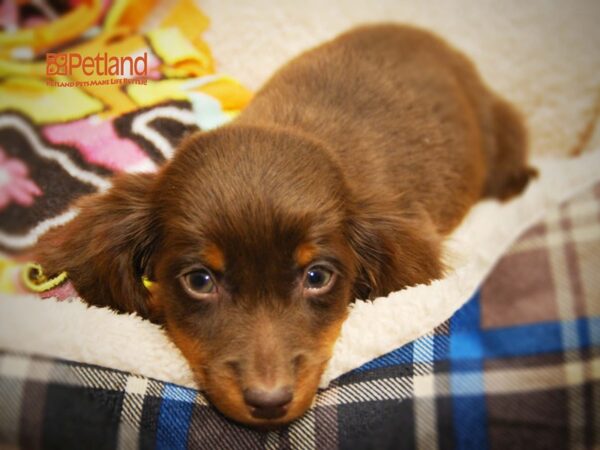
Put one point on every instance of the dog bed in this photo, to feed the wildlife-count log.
(516, 364)
(515, 367)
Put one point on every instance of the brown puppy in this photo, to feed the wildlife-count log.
(338, 181)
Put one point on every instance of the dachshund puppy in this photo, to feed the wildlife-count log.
(338, 181)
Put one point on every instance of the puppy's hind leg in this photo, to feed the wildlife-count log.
(508, 171)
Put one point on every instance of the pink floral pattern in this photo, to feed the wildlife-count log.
(15, 185)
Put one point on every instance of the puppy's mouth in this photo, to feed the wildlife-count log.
(262, 392)
(262, 407)
(270, 412)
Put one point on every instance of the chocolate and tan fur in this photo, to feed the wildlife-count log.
(350, 166)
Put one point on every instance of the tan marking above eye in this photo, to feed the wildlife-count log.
(214, 258)
(305, 253)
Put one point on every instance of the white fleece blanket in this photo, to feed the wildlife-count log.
(75, 332)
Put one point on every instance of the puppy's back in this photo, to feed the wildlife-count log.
(405, 116)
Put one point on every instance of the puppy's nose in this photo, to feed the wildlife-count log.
(268, 404)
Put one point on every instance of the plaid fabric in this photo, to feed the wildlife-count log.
(517, 367)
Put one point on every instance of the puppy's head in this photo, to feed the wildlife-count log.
(256, 244)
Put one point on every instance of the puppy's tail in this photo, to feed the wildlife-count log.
(508, 171)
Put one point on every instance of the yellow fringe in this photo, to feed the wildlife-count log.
(147, 282)
(34, 279)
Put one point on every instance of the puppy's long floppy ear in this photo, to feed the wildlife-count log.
(108, 247)
(393, 251)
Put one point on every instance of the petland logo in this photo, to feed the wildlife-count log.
(112, 69)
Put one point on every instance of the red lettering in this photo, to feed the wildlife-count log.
(74, 61)
(126, 59)
(143, 69)
(88, 65)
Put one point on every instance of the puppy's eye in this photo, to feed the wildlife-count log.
(318, 279)
(199, 283)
